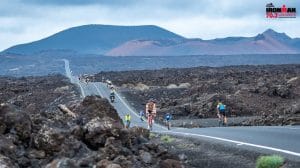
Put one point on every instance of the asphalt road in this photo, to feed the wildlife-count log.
(283, 140)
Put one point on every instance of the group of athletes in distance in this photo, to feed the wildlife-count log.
(150, 110)
(85, 78)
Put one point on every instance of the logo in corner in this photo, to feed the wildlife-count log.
(280, 12)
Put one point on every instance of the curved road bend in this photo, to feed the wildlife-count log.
(283, 140)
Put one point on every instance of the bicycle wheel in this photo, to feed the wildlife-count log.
(149, 122)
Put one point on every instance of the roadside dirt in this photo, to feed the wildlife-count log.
(194, 153)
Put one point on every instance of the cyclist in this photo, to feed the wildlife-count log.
(168, 118)
(112, 88)
(112, 96)
(127, 120)
(221, 109)
(86, 80)
(151, 112)
(108, 82)
(142, 115)
(80, 78)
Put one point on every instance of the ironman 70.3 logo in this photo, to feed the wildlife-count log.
(280, 12)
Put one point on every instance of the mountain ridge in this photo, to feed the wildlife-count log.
(93, 38)
(151, 40)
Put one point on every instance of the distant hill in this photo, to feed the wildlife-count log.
(154, 41)
(94, 39)
(269, 42)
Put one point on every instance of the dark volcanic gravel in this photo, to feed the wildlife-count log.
(43, 123)
(270, 92)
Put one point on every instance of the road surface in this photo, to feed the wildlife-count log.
(283, 140)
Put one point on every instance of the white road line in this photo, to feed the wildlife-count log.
(69, 75)
(120, 113)
(126, 104)
(98, 90)
(236, 142)
(129, 108)
(276, 127)
(81, 88)
(286, 127)
(294, 128)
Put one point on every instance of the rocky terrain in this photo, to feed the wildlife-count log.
(270, 92)
(44, 123)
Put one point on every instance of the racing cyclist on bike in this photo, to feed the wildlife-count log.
(221, 109)
(127, 120)
(151, 112)
(112, 96)
(168, 118)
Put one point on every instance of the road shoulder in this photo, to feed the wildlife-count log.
(206, 153)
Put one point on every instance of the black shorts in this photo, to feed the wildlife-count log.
(223, 113)
(151, 113)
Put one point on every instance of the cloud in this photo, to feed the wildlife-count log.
(24, 21)
(221, 7)
(81, 2)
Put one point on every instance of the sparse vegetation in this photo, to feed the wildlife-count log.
(152, 135)
(273, 161)
(166, 138)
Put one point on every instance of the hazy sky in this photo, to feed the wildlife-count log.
(29, 20)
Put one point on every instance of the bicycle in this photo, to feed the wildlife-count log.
(150, 122)
(143, 118)
(168, 123)
(222, 120)
(127, 125)
(112, 99)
